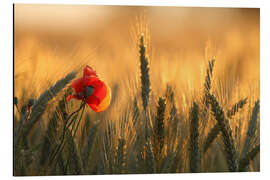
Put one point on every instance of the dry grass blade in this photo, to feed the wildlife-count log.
(226, 131)
(40, 106)
(244, 162)
(194, 153)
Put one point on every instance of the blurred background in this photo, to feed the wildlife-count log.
(52, 40)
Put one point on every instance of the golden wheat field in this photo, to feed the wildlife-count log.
(182, 90)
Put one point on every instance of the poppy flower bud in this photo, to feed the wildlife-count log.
(31, 102)
(89, 91)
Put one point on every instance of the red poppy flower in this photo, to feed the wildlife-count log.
(91, 89)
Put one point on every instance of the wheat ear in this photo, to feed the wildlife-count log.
(159, 129)
(194, 155)
(145, 78)
(226, 131)
(251, 127)
(244, 162)
(41, 104)
(211, 136)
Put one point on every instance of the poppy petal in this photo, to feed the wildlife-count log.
(99, 86)
(78, 85)
(88, 71)
(105, 102)
(100, 90)
(93, 100)
(90, 81)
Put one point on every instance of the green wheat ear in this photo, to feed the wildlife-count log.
(251, 128)
(208, 81)
(194, 154)
(236, 107)
(223, 123)
(159, 129)
(150, 159)
(145, 78)
(245, 161)
(211, 136)
(42, 102)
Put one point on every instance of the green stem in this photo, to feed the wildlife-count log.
(79, 121)
(64, 131)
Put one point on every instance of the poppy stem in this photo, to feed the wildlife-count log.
(79, 121)
(77, 125)
(72, 121)
(58, 148)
